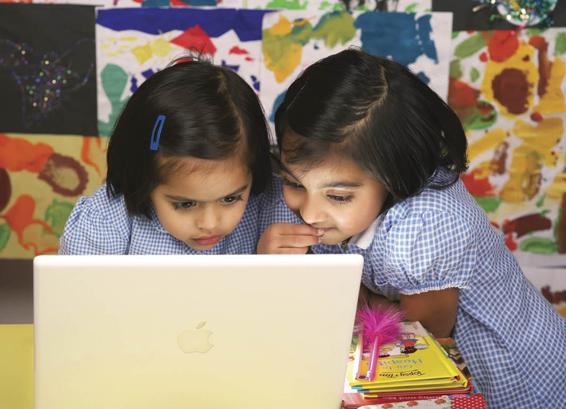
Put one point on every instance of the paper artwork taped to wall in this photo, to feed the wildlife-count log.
(41, 177)
(293, 40)
(409, 6)
(133, 44)
(508, 87)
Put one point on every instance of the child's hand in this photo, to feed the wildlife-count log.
(288, 239)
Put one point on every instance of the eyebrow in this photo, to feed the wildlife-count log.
(187, 199)
(342, 184)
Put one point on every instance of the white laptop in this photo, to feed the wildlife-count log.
(203, 332)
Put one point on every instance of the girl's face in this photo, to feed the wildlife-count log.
(203, 200)
(336, 196)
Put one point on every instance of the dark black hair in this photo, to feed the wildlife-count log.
(378, 114)
(210, 113)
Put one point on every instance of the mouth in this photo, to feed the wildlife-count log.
(207, 241)
(323, 229)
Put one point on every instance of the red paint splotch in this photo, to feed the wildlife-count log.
(477, 186)
(461, 95)
(499, 160)
(90, 144)
(238, 51)
(20, 216)
(502, 45)
(195, 39)
(510, 243)
(5, 188)
(17, 154)
(554, 297)
(526, 224)
(511, 89)
(537, 117)
(65, 175)
(483, 56)
(544, 65)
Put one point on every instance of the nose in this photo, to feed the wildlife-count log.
(207, 219)
(311, 210)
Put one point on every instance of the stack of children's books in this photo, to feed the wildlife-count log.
(413, 367)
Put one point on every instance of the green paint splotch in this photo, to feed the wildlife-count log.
(481, 116)
(4, 235)
(411, 8)
(455, 69)
(114, 80)
(287, 4)
(560, 47)
(488, 203)
(538, 245)
(335, 28)
(470, 46)
(474, 74)
(57, 214)
(535, 31)
(282, 44)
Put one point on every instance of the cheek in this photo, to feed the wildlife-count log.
(231, 216)
(293, 199)
(171, 220)
(234, 215)
(355, 219)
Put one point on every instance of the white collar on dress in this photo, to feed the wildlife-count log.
(364, 239)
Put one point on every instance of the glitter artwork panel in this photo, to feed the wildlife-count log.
(47, 69)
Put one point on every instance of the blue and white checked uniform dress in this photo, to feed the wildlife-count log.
(510, 337)
(101, 225)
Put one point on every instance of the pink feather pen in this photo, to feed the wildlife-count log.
(379, 325)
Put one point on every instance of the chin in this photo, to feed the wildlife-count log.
(331, 241)
(201, 247)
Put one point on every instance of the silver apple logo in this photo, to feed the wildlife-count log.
(195, 340)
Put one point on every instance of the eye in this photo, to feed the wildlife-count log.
(228, 200)
(340, 199)
(184, 205)
(292, 185)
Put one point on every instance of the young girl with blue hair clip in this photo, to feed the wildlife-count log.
(372, 156)
(189, 171)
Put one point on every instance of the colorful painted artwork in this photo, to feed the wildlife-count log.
(135, 43)
(409, 6)
(292, 40)
(41, 177)
(508, 88)
(48, 81)
(132, 3)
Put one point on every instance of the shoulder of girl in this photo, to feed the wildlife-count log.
(103, 205)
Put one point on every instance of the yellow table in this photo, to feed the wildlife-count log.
(16, 366)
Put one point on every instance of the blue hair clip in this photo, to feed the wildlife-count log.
(156, 133)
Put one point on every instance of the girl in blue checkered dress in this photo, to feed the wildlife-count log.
(188, 171)
(371, 158)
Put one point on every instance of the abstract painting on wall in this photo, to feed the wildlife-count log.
(292, 40)
(409, 6)
(508, 88)
(47, 80)
(133, 44)
(41, 177)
